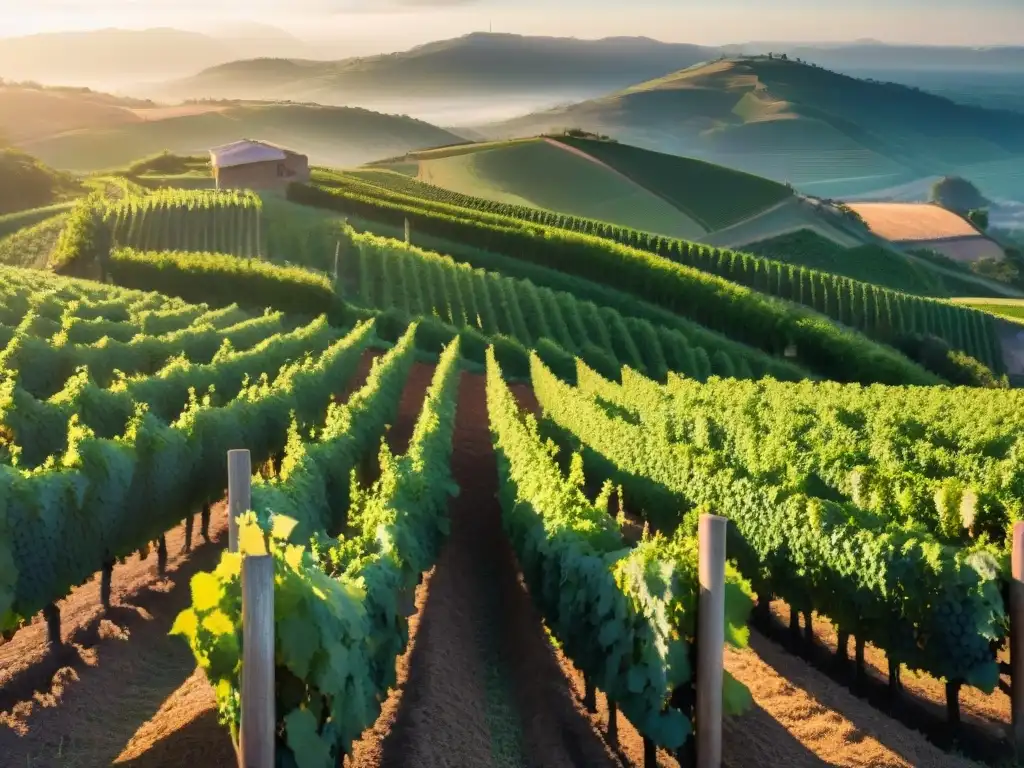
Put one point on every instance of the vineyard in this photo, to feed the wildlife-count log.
(223, 222)
(877, 312)
(869, 263)
(446, 473)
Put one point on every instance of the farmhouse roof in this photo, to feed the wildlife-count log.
(244, 152)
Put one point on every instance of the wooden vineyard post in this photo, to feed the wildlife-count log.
(257, 728)
(710, 640)
(239, 492)
(1017, 638)
(407, 234)
(337, 254)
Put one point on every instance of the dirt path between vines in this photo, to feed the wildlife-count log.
(480, 684)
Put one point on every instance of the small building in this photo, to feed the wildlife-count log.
(250, 164)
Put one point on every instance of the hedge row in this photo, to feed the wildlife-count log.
(84, 244)
(220, 280)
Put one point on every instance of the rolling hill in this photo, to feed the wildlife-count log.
(650, 191)
(26, 183)
(83, 131)
(479, 64)
(587, 184)
(827, 134)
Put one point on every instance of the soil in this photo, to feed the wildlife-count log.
(479, 685)
(125, 691)
(923, 698)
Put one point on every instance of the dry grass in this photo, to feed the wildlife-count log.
(913, 222)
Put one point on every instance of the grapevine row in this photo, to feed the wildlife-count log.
(740, 313)
(109, 497)
(387, 274)
(42, 366)
(222, 221)
(930, 606)
(35, 430)
(949, 460)
(634, 642)
(878, 312)
(340, 604)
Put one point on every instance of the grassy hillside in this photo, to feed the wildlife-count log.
(543, 174)
(714, 196)
(32, 246)
(824, 132)
(26, 183)
(29, 112)
(91, 133)
(1011, 309)
(606, 181)
(12, 222)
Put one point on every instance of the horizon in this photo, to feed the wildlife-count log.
(394, 25)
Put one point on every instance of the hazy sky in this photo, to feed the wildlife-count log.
(393, 24)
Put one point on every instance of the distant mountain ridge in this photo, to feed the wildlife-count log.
(101, 56)
(475, 63)
(827, 133)
(123, 55)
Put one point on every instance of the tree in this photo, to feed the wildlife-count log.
(978, 217)
(957, 194)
